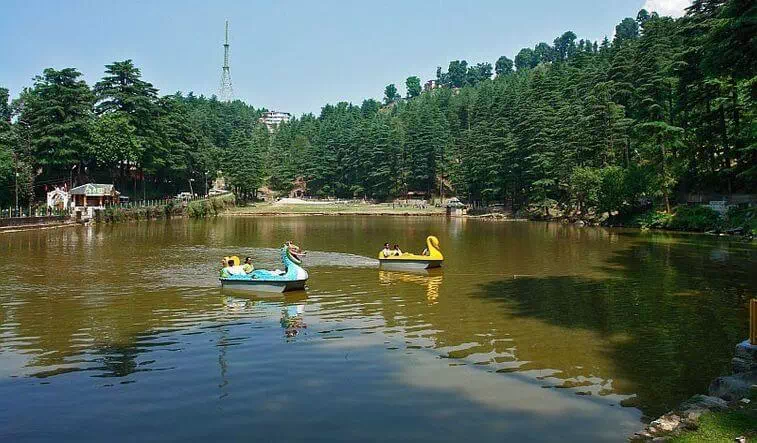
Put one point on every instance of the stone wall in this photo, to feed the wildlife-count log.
(32, 221)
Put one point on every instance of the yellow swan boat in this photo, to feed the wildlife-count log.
(407, 261)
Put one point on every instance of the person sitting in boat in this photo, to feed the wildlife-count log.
(247, 266)
(233, 269)
(397, 251)
(386, 251)
(224, 268)
(425, 252)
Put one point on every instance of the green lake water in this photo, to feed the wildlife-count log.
(530, 331)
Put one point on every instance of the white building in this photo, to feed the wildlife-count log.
(58, 199)
(272, 119)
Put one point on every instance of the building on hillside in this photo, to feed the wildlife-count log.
(87, 198)
(430, 85)
(272, 119)
(58, 199)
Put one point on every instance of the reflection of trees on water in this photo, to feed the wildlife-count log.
(59, 329)
(117, 361)
(669, 317)
(658, 319)
(292, 320)
(660, 324)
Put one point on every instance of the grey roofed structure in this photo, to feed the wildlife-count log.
(94, 195)
(95, 190)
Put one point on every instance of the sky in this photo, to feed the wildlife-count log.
(292, 56)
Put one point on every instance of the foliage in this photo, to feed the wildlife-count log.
(390, 94)
(684, 218)
(585, 183)
(413, 86)
(668, 106)
(210, 207)
(742, 218)
(504, 66)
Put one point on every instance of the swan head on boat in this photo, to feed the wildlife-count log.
(432, 244)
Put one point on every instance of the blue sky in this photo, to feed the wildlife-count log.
(292, 55)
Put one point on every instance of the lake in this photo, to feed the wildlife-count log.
(530, 331)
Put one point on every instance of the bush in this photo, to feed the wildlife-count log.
(694, 218)
(745, 218)
(198, 209)
(195, 209)
(652, 220)
(684, 218)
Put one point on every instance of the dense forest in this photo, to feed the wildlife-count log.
(665, 108)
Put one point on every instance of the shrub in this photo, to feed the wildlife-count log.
(745, 218)
(652, 220)
(197, 209)
(684, 218)
(694, 218)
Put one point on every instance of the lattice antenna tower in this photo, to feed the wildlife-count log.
(226, 93)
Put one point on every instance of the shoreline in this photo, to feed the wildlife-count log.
(386, 212)
(322, 213)
(37, 227)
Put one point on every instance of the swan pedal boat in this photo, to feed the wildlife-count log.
(262, 280)
(415, 262)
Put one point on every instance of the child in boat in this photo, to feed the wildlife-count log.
(387, 252)
(397, 251)
(247, 266)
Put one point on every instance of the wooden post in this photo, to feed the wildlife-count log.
(753, 321)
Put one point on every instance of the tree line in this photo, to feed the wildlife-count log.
(666, 107)
(61, 131)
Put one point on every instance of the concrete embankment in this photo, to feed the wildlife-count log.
(28, 223)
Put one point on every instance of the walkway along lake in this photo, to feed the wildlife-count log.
(530, 332)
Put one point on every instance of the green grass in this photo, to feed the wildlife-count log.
(722, 427)
(336, 208)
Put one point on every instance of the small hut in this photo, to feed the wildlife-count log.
(87, 198)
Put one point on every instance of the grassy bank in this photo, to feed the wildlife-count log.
(195, 209)
(725, 427)
(698, 219)
(335, 209)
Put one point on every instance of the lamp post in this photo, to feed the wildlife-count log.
(16, 192)
(71, 178)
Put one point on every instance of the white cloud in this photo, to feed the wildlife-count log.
(673, 8)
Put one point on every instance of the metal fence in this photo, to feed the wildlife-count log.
(31, 211)
(42, 210)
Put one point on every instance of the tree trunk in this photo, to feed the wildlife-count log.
(665, 195)
(726, 147)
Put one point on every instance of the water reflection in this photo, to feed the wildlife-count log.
(582, 318)
(292, 320)
(430, 279)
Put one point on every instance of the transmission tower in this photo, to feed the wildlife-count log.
(226, 92)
